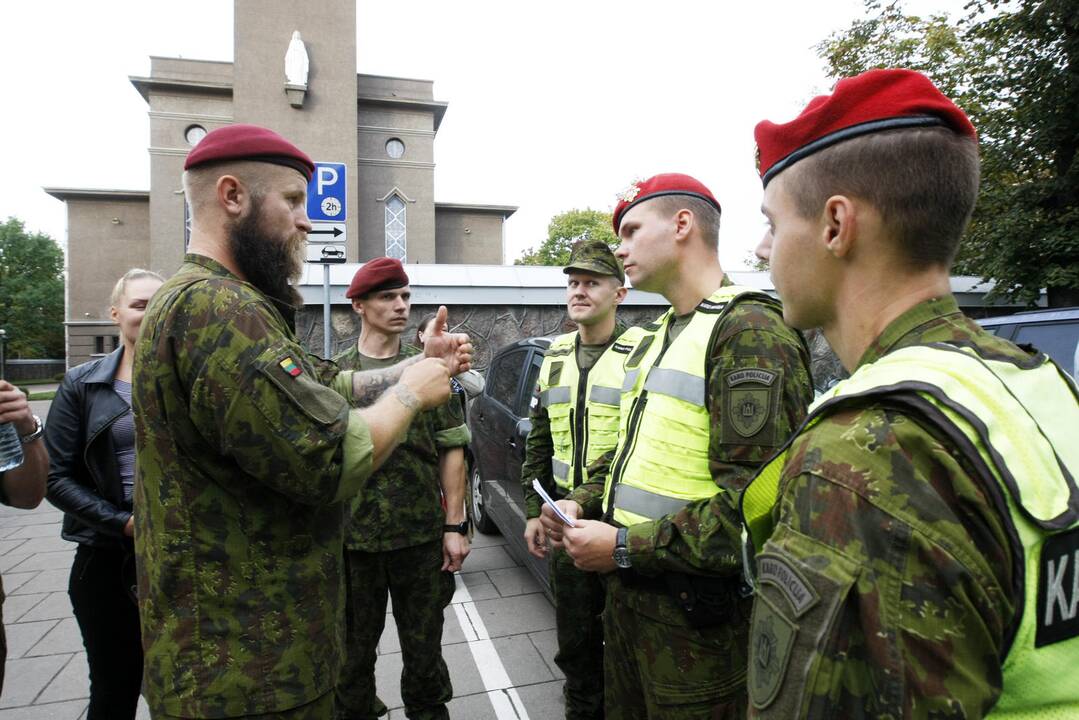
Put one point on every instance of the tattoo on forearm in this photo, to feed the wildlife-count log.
(368, 385)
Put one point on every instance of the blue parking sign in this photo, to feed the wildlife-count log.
(326, 192)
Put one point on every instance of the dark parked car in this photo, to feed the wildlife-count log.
(1055, 332)
(498, 418)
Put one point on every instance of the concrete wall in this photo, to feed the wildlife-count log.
(173, 109)
(412, 174)
(468, 237)
(325, 127)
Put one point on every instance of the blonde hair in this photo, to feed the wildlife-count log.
(132, 274)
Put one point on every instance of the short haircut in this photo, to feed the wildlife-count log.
(132, 274)
(705, 214)
(924, 183)
(200, 182)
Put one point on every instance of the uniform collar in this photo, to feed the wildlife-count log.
(908, 328)
(210, 264)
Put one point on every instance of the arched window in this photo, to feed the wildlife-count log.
(396, 242)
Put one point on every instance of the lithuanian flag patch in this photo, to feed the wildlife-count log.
(289, 366)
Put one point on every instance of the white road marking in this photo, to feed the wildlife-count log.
(496, 681)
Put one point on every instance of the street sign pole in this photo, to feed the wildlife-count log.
(326, 311)
(327, 202)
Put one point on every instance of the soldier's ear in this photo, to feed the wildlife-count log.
(231, 195)
(620, 295)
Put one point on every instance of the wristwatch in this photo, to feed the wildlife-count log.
(39, 430)
(459, 528)
(621, 552)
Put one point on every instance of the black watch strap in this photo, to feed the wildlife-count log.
(459, 528)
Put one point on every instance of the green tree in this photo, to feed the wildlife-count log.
(1013, 65)
(564, 230)
(31, 292)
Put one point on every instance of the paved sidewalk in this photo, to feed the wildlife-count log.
(499, 639)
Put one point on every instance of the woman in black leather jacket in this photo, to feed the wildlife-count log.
(91, 442)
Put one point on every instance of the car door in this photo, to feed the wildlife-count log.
(516, 455)
(496, 421)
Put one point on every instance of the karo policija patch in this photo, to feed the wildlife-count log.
(1058, 589)
(749, 399)
(289, 366)
(776, 571)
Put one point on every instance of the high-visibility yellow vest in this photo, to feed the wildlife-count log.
(584, 418)
(1019, 426)
(662, 458)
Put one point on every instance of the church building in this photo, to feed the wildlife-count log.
(293, 71)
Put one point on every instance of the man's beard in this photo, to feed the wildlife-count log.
(268, 263)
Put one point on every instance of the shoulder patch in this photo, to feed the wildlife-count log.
(653, 326)
(290, 367)
(622, 348)
(558, 352)
(1058, 589)
(771, 638)
(776, 571)
(763, 377)
(708, 306)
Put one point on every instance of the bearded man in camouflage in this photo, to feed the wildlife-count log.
(245, 453)
(407, 531)
(914, 547)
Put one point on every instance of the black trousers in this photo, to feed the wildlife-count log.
(109, 621)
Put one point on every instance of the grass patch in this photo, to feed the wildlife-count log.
(49, 395)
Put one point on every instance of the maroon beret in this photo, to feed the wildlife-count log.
(382, 273)
(249, 142)
(656, 186)
(874, 101)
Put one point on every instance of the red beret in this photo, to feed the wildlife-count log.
(874, 101)
(249, 142)
(656, 186)
(382, 273)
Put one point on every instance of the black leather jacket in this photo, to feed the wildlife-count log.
(84, 477)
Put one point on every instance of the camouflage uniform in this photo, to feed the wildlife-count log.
(659, 661)
(243, 458)
(393, 546)
(901, 579)
(578, 596)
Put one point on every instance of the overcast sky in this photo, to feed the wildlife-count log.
(552, 107)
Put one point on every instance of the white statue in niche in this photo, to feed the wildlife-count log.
(296, 61)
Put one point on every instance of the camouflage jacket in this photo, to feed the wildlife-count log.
(704, 538)
(539, 449)
(243, 457)
(898, 586)
(401, 503)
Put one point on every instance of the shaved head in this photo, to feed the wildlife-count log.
(200, 183)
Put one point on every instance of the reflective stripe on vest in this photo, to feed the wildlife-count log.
(599, 425)
(662, 458)
(1019, 425)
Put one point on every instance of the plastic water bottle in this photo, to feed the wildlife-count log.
(10, 447)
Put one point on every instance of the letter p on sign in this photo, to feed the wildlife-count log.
(326, 193)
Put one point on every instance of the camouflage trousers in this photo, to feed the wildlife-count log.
(413, 578)
(320, 709)
(578, 600)
(658, 667)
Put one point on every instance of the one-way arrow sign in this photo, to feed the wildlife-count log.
(335, 231)
(325, 232)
